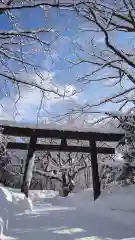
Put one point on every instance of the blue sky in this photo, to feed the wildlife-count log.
(68, 24)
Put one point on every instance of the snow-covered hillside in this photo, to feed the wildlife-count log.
(76, 217)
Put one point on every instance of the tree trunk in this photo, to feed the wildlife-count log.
(65, 189)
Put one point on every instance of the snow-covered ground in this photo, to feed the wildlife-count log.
(50, 217)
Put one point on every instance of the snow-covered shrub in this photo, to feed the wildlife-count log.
(111, 176)
(4, 156)
(5, 176)
(124, 171)
(127, 145)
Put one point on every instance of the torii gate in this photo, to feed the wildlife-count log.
(64, 133)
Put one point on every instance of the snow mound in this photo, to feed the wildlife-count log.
(5, 195)
(42, 194)
(10, 203)
(21, 202)
(117, 197)
(77, 216)
(118, 204)
(121, 199)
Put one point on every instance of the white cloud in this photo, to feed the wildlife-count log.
(100, 40)
(110, 82)
(28, 105)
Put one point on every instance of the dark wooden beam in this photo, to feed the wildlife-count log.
(58, 134)
(95, 174)
(64, 148)
(63, 142)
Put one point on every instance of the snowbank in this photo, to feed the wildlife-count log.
(117, 204)
(77, 216)
(20, 202)
(10, 204)
(42, 194)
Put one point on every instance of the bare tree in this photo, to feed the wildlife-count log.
(54, 170)
(18, 52)
(63, 168)
(109, 62)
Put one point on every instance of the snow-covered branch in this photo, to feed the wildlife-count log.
(109, 62)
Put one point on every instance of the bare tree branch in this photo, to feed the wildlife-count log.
(108, 62)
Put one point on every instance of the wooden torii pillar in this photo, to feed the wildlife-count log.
(27, 177)
(95, 175)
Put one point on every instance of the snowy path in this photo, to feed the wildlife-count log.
(75, 217)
